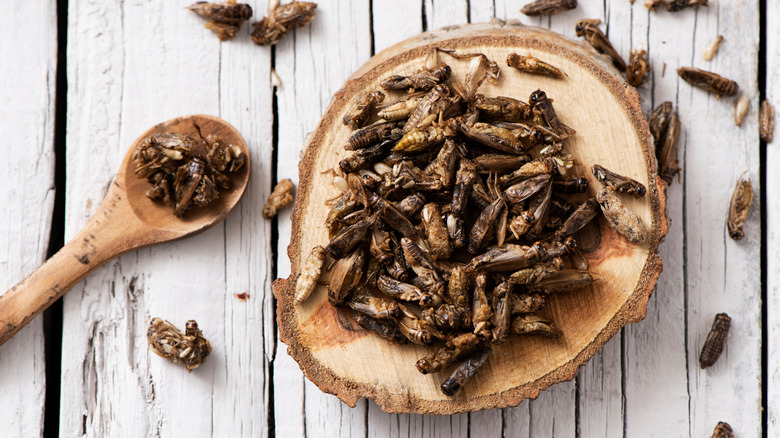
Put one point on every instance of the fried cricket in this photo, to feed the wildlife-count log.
(282, 19)
(359, 112)
(675, 5)
(723, 430)
(548, 7)
(741, 200)
(708, 81)
(279, 199)
(224, 19)
(623, 220)
(310, 274)
(716, 340)
(638, 65)
(464, 372)
(619, 183)
(590, 31)
(189, 349)
(533, 65)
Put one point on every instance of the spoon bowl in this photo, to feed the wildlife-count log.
(158, 215)
(125, 221)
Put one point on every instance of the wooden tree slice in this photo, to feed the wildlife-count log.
(353, 364)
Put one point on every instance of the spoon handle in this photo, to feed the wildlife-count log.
(102, 239)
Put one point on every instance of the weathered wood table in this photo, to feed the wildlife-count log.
(130, 64)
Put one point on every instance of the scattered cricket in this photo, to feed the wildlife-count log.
(282, 19)
(716, 340)
(675, 5)
(665, 127)
(224, 19)
(766, 121)
(589, 29)
(709, 81)
(548, 7)
(638, 65)
(739, 208)
(723, 430)
(189, 349)
(279, 199)
(667, 154)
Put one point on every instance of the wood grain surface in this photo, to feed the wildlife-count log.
(133, 63)
(28, 49)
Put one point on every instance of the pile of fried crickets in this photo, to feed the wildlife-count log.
(458, 214)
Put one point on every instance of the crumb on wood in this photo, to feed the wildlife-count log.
(242, 296)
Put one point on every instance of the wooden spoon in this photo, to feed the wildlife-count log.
(125, 221)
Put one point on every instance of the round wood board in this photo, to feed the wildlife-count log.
(605, 112)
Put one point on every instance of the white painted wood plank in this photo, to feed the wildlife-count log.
(517, 420)
(241, 394)
(723, 275)
(326, 415)
(553, 413)
(313, 63)
(95, 70)
(617, 25)
(28, 48)
(395, 21)
(773, 223)
(487, 423)
(132, 65)
(655, 361)
(382, 424)
(482, 11)
(439, 13)
(600, 393)
(597, 395)
(288, 380)
(289, 410)
(439, 426)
